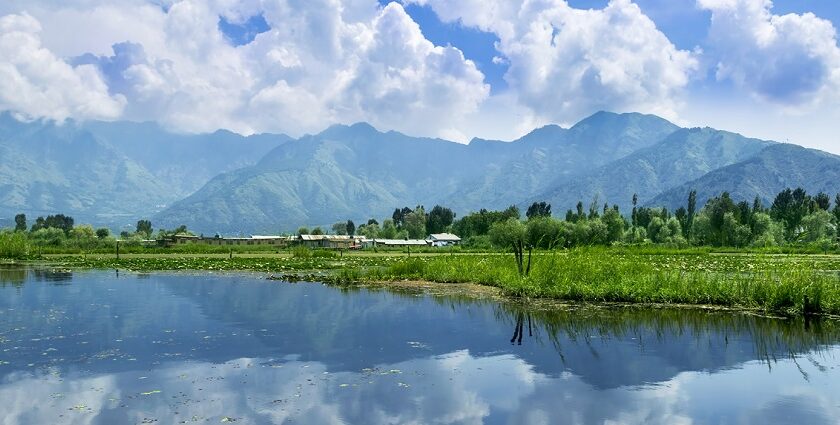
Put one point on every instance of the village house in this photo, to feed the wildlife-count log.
(183, 239)
(326, 241)
(443, 239)
(396, 243)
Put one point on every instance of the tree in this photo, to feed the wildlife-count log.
(317, 231)
(102, 233)
(39, 224)
(598, 232)
(733, 233)
(690, 214)
(440, 218)
(717, 208)
(303, 231)
(765, 232)
(790, 207)
(593, 208)
(633, 215)
(58, 221)
(822, 201)
(544, 232)
(415, 223)
(837, 210)
(370, 231)
(20, 223)
(372, 221)
(350, 227)
(615, 225)
(83, 232)
(758, 206)
(144, 227)
(538, 209)
(478, 223)
(49, 236)
(655, 230)
(13, 244)
(513, 234)
(817, 226)
(389, 230)
(681, 214)
(339, 228)
(399, 216)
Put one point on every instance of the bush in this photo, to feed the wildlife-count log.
(13, 245)
(301, 251)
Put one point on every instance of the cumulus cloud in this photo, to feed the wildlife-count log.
(320, 62)
(792, 60)
(567, 62)
(34, 83)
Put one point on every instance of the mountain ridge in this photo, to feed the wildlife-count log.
(115, 173)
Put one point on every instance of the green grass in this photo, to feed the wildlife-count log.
(780, 284)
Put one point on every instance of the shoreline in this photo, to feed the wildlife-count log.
(470, 290)
(758, 285)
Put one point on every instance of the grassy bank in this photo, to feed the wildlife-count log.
(781, 284)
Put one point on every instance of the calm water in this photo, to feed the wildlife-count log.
(102, 348)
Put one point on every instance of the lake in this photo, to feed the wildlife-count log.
(107, 347)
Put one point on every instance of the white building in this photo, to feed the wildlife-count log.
(443, 239)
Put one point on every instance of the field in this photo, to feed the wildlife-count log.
(777, 284)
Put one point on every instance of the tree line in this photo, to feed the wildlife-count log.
(404, 223)
(60, 230)
(794, 218)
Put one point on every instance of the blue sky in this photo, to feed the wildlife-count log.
(442, 68)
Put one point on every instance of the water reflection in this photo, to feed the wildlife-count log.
(172, 348)
(17, 275)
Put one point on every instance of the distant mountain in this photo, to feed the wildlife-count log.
(359, 172)
(110, 173)
(685, 155)
(116, 173)
(345, 171)
(539, 160)
(772, 170)
(186, 162)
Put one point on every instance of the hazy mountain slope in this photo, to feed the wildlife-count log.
(184, 161)
(683, 156)
(551, 153)
(343, 172)
(358, 172)
(111, 173)
(47, 169)
(764, 175)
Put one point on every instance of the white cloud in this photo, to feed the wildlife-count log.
(566, 63)
(34, 83)
(322, 62)
(791, 60)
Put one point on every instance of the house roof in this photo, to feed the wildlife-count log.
(444, 237)
(400, 242)
(325, 237)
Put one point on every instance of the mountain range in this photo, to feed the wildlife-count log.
(115, 173)
(112, 173)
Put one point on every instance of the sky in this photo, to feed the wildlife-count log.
(454, 69)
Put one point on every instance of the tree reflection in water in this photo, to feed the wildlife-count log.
(773, 339)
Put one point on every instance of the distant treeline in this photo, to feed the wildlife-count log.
(794, 218)
(60, 232)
